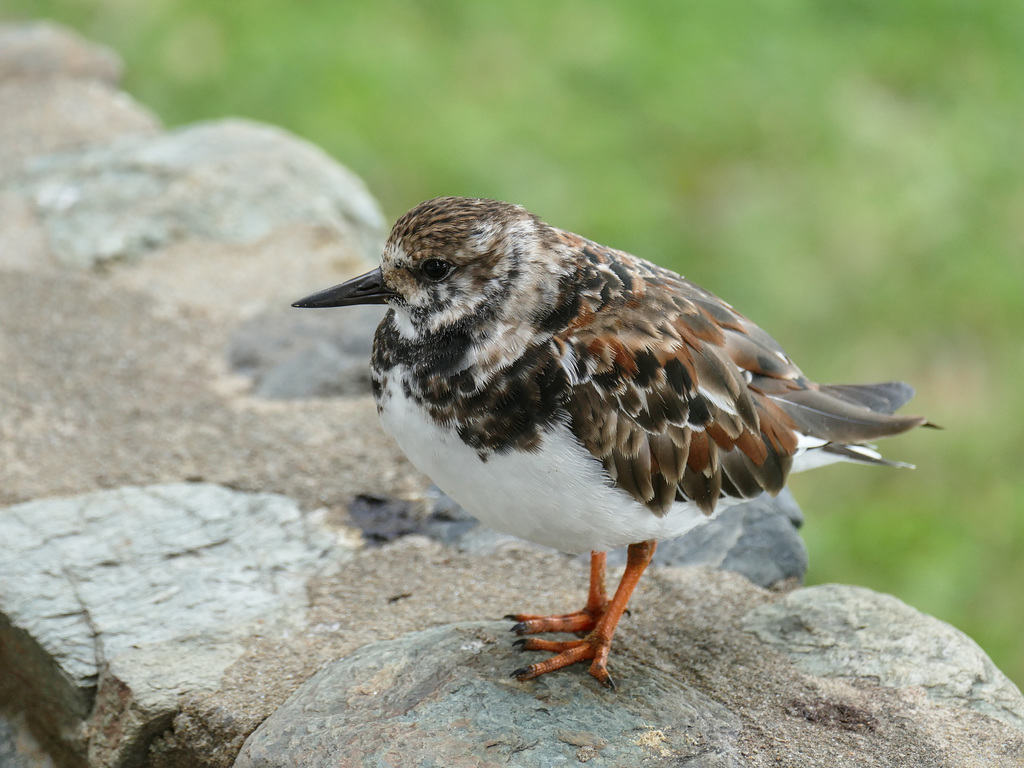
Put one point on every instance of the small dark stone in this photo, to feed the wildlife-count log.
(383, 519)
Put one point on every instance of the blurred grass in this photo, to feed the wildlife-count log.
(849, 173)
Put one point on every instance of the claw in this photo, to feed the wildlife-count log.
(598, 619)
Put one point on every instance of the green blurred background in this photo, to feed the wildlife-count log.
(848, 173)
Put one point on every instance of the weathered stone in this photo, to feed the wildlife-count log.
(117, 603)
(758, 539)
(229, 181)
(62, 115)
(844, 631)
(102, 386)
(42, 49)
(383, 519)
(305, 353)
(685, 624)
(57, 93)
(449, 523)
(442, 697)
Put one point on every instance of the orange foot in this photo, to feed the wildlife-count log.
(599, 618)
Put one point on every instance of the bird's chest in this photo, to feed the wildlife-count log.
(514, 489)
(553, 492)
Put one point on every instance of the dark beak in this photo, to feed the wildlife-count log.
(365, 289)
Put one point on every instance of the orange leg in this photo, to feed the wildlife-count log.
(598, 642)
(578, 621)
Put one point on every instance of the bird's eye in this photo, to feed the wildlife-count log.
(435, 269)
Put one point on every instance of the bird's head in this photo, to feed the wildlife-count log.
(454, 260)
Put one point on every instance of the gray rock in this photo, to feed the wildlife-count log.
(92, 113)
(42, 49)
(117, 603)
(319, 370)
(99, 387)
(442, 697)
(681, 657)
(843, 631)
(135, 195)
(470, 537)
(57, 93)
(383, 519)
(305, 353)
(758, 539)
(450, 524)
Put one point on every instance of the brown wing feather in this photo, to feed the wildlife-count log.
(660, 400)
(682, 398)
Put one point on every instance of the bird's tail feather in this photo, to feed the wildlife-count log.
(849, 414)
(885, 397)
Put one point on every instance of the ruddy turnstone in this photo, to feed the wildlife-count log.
(583, 398)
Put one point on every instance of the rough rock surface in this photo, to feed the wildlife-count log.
(42, 50)
(851, 632)
(100, 389)
(418, 700)
(116, 377)
(18, 747)
(58, 92)
(686, 640)
(138, 194)
(137, 596)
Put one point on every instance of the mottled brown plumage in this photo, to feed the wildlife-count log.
(682, 398)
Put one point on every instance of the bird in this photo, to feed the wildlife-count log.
(583, 398)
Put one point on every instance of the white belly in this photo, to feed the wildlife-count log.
(557, 496)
